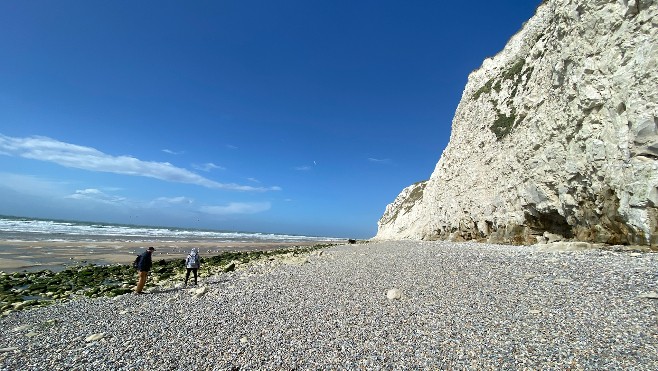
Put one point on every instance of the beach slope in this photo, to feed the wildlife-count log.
(393, 305)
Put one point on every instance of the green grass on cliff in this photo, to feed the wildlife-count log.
(518, 73)
(503, 125)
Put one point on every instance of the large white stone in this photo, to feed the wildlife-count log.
(95, 337)
(557, 133)
(393, 294)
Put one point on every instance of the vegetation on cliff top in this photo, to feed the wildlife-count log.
(408, 203)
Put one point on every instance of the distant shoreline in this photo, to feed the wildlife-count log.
(17, 256)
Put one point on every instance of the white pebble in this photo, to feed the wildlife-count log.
(95, 337)
(393, 294)
(21, 328)
(649, 295)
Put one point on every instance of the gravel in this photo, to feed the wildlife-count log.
(456, 306)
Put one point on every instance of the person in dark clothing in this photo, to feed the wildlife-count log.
(192, 263)
(144, 267)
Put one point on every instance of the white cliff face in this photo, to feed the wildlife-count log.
(557, 135)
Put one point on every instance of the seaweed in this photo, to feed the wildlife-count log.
(21, 290)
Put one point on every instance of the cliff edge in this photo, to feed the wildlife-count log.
(555, 137)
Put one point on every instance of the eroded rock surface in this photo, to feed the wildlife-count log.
(555, 138)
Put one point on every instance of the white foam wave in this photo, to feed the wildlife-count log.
(50, 227)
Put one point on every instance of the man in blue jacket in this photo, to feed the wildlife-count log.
(144, 266)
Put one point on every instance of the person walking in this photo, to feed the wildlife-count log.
(192, 263)
(144, 266)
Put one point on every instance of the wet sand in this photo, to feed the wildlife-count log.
(57, 255)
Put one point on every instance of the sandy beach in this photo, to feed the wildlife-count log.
(384, 305)
(56, 255)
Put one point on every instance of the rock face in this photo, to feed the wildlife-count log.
(556, 137)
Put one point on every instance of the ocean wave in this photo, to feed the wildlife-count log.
(17, 228)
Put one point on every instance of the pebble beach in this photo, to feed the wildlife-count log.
(377, 305)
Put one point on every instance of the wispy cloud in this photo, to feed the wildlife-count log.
(379, 160)
(253, 180)
(181, 200)
(237, 208)
(207, 167)
(306, 167)
(87, 158)
(230, 146)
(93, 194)
(105, 199)
(173, 152)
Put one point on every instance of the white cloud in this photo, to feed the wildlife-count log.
(208, 166)
(303, 168)
(32, 186)
(173, 152)
(87, 158)
(253, 180)
(230, 146)
(92, 194)
(237, 208)
(379, 160)
(174, 200)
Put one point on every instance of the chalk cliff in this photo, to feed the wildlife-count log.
(555, 137)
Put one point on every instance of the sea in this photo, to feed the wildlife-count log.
(20, 229)
(36, 244)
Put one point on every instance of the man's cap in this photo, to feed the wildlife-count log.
(151, 248)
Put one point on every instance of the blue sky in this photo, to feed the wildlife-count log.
(301, 117)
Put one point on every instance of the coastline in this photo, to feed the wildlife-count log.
(457, 306)
(36, 255)
(23, 290)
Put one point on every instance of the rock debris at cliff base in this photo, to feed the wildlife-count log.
(385, 305)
